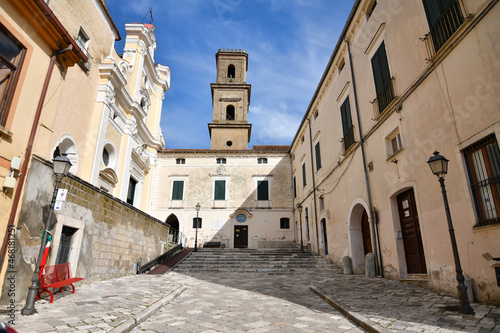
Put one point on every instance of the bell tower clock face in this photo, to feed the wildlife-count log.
(241, 218)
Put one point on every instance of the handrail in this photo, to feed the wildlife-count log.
(158, 261)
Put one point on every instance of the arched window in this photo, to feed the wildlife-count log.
(230, 112)
(231, 72)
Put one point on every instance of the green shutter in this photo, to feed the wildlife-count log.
(220, 190)
(345, 112)
(380, 68)
(177, 190)
(318, 157)
(262, 190)
(304, 179)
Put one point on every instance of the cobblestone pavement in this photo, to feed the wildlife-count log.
(107, 306)
(260, 303)
(254, 304)
(400, 307)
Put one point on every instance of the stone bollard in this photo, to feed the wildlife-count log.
(347, 263)
(370, 265)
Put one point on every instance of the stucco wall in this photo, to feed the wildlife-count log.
(111, 235)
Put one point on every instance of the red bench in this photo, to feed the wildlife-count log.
(56, 276)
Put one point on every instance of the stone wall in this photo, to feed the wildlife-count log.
(110, 235)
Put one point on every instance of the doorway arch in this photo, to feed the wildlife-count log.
(356, 240)
(173, 221)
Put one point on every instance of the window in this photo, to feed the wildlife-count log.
(341, 65)
(180, 161)
(83, 39)
(230, 112)
(231, 71)
(221, 161)
(370, 8)
(178, 190)
(294, 186)
(220, 190)
(483, 165)
(197, 220)
(304, 179)
(131, 190)
(11, 59)
(284, 223)
(318, 156)
(347, 127)
(105, 157)
(396, 143)
(383, 81)
(262, 160)
(444, 17)
(262, 190)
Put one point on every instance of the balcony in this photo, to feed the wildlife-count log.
(384, 98)
(445, 27)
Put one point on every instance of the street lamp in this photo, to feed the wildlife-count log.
(299, 207)
(196, 235)
(61, 168)
(439, 167)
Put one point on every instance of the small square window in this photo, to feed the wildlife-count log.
(284, 223)
(180, 161)
(197, 219)
(262, 160)
(396, 143)
(221, 161)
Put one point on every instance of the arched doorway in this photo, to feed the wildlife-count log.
(359, 235)
(324, 236)
(173, 221)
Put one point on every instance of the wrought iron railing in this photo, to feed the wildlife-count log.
(348, 139)
(384, 98)
(445, 27)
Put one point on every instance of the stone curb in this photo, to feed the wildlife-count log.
(142, 316)
(359, 319)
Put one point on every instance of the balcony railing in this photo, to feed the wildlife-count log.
(348, 139)
(445, 27)
(384, 98)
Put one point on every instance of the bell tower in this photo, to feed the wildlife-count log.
(230, 129)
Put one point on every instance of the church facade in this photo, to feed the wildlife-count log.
(244, 195)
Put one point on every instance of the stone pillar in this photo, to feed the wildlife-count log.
(370, 265)
(347, 263)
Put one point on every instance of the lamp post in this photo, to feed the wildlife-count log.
(439, 167)
(196, 235)
(299, 207)
(61, 168)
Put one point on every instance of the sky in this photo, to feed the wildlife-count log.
(288, 42)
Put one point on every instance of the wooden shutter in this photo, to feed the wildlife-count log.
(380, 68)
(262, 190)
(318, 156)
(177, 190)
(220, 190)
(345, 112)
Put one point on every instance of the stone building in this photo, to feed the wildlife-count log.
(244, 194)
(406, 78)
(65, 90)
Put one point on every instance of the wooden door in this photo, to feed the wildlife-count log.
(325, 237)
(412, 238)
(240, 236)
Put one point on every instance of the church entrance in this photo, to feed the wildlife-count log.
(240, 236)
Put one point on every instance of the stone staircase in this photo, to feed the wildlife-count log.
(253, 262)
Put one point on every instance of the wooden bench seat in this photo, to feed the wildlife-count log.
(57, 277)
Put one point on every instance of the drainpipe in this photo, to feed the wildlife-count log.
(378, 257)
(27, 154)
(314, 185)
